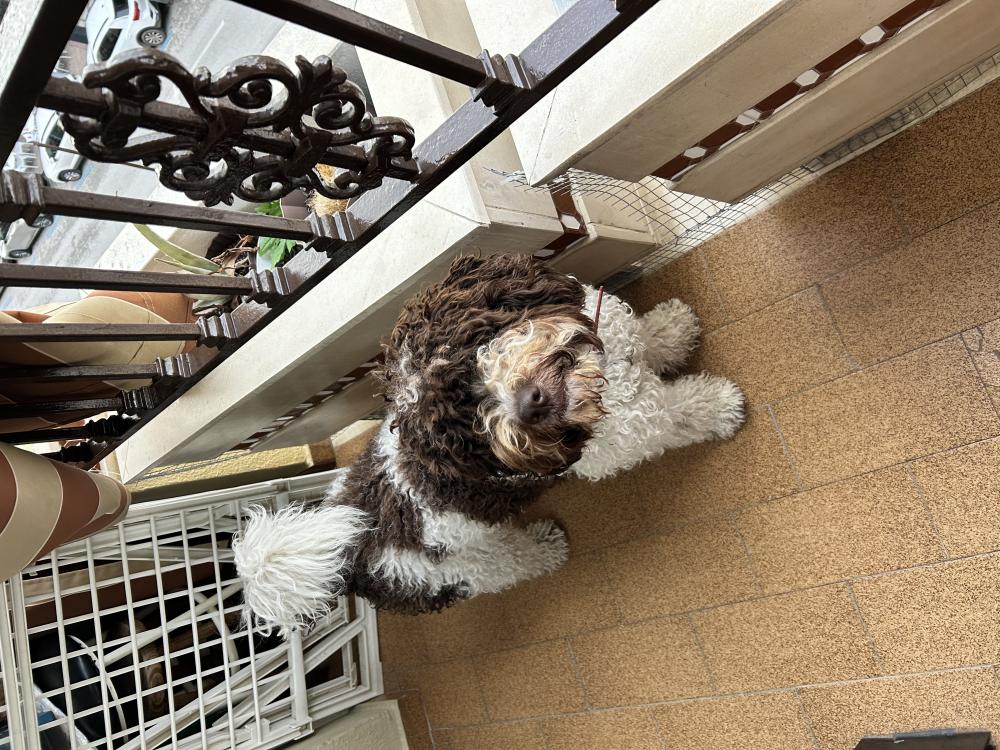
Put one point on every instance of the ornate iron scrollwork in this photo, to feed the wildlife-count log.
(322, 114)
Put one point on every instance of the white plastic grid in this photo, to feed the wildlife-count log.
(132, 638)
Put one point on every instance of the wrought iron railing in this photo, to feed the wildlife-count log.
(235, 137)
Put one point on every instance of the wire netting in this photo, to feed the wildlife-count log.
(682, 221)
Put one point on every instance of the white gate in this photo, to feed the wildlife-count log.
(132, 639)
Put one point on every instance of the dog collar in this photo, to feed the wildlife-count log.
(597, 307)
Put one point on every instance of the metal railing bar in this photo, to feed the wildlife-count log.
(115, 208)
(40, 374)
(39, 51)
(572, 38)
(56, 277)
(362, 31)
(38, 408)
(18, 332)
(45, 436)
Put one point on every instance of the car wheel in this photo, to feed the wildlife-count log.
(18, 254)
(41, 221)
(154, 36)
(70, 175)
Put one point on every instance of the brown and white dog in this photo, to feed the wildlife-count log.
(496, 381)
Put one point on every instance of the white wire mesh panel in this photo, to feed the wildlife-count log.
(133, 637)
(681, 221)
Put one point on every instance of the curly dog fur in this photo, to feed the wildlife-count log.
(496, 383)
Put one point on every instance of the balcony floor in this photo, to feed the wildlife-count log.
(832, 571)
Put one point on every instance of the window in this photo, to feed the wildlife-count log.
(53, 139)
(121, 7)
(108, 44)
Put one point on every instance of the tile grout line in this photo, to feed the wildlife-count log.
(575, 665)
(898, 464)
(751, 565)
(427, 720)
(807, 719)
(855, 366)
(876, 654)
(975, 366)
(787, 690)
(922, 496)
(713, 680)
(789, 457)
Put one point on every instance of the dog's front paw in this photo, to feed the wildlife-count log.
(730, 408)
(552, 540)
(671, 331)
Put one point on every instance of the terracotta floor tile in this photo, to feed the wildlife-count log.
(687, 279)
(941, 284)
(923, 402)
(525, 735)
(867, 524)
(947, 165)
(642, 663)
(465, 629)
(779, 350)
(411, 711)
(983, 343)
(826, 227)
(534, 681)
(843, 714)
(628, 729)
(934, 617)
(792, 639)
(401, 641)
(698, 565)
(594, 514)
(716, 478)
(763, 722)
(450, 691)
(578, 598)
(961, 488)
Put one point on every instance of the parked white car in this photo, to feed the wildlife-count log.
(60, 162)
(114, 26)
(17, 237)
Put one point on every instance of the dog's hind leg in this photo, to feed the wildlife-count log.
(483, 559)
(670, 332)
(502, 555)
(508, 554)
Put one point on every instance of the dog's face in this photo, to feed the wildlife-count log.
(495, 371)
(540, 394)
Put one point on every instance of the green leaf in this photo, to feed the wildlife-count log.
(183, 258)
(273, 249)
(269, 209)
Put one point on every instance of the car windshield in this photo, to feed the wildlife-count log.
(53, 140)
(108, 44)
(121, 7)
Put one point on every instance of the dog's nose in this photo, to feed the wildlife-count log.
(533, 404)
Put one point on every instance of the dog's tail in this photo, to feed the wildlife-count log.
(293, 563)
